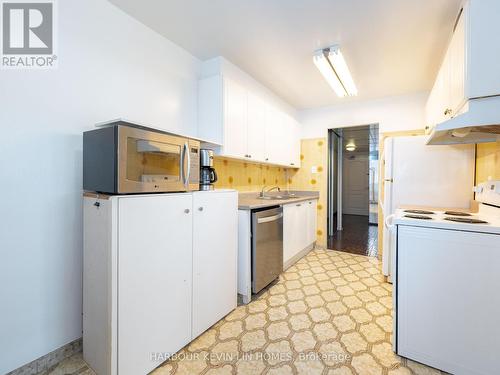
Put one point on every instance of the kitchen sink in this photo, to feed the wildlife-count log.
(278, 197)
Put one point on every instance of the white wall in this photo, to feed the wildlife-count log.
(109, 66)
(396, 113)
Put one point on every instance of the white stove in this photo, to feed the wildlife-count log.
(486, 220)
(446, 285)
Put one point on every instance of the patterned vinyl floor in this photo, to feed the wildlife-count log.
(330, 313)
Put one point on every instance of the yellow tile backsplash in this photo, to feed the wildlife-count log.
(487, 161)
(243, 176)
(314, 153)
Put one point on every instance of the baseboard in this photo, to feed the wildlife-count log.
(290, 262)
(49, 360)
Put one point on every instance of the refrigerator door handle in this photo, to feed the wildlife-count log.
(388, 222)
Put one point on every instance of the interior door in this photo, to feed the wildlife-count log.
(215, 250)
(356, 186)
(154, 279)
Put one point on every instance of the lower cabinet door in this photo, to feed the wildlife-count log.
(311, 221)
(294, 230)
(215, 252)
(154, 279)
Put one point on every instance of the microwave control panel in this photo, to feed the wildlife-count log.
(194, 153)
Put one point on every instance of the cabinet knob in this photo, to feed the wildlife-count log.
(200, 208)
(267, 159)
(249, 156)
(186, 211)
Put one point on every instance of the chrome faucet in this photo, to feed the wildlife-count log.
(269, 190)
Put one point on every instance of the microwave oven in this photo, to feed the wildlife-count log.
(122, 159)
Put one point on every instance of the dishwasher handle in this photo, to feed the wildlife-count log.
(268, 219)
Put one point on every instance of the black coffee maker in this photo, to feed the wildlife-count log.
(208, 176)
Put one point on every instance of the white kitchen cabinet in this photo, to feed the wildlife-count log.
(275, 132)
(294, 140)
(469, 69)
(245, 125)
(235, 119)
(159, 269)
(448, 93)
(456, 68)
(299, 230)
(312, 218)
(283, 138)
(256, 128)
(154, 279)
(214, 257)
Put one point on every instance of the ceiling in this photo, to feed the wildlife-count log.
(392, 47)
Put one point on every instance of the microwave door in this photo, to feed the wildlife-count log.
(150, 162)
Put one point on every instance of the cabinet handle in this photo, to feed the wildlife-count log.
(249, 156)
(200, 208)
(186, 211)
(447, 111)
(292, 163)
(298, 205)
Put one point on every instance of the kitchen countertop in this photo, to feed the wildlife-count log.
(250, 200)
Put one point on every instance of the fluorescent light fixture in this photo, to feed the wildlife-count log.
(332, 65)
(350, 147)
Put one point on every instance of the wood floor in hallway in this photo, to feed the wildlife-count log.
(357, 237)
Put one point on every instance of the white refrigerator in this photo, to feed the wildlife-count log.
(417, 174)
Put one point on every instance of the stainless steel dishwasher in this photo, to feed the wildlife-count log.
(267, 246)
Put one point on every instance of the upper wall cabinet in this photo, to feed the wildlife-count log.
(469, 68)
(246, 126)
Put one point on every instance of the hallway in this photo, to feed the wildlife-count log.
(358, 236)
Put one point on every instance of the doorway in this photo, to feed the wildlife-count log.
(353, 189)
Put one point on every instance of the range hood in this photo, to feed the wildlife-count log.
(478, 124)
